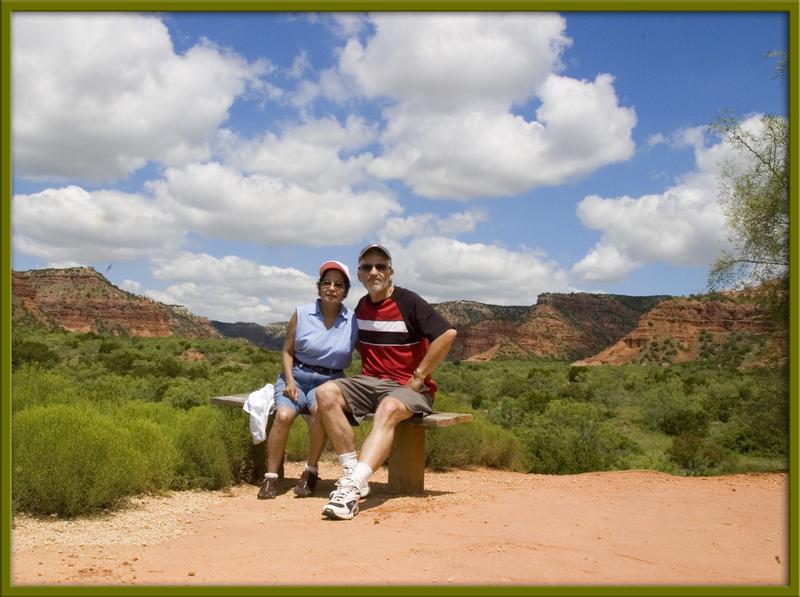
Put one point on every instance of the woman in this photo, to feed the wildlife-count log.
(319, 345)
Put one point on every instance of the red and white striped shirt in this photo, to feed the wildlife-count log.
(394, 335)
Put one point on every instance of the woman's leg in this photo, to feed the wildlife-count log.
(316, 438)
(278, 434)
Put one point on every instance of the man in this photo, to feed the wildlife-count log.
(402, 340)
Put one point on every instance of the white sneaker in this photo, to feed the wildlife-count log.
(347, 472)
(343, 504)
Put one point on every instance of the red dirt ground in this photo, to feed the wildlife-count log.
(476, 527)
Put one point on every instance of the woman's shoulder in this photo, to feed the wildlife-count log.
(307, 308)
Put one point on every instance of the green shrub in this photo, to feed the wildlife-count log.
(165, 416)
(29, 351)
(759, 425)
(677, 419)
(169, 367)
(573, 437)
(70, 459)
(668, 409)
(479, 443)
(235, 434)
(723, 397)
(184, 393)
(106, 346)
(698, 455)
(33, 386)
(204, 461)
(118, 361)
(160, 454)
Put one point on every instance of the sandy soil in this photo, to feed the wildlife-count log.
(475, 527)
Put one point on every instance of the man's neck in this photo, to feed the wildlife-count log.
(382, 295)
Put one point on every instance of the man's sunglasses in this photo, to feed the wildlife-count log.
(366, 268)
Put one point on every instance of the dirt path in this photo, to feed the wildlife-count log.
(470, 528)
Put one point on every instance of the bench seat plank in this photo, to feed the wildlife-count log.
(435, 419)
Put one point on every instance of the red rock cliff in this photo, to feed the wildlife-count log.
(685, 325)
(80, 299)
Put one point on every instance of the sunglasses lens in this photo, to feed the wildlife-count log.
(367, 267)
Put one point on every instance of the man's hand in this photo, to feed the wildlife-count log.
(417, 381)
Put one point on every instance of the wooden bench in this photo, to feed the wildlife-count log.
(407, 458)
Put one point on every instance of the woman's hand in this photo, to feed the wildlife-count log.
(290, 390)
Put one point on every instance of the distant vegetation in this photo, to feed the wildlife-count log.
(99, 418)
(690, 419)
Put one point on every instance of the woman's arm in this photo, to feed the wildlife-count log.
(287, 358)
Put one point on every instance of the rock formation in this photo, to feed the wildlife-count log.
(690, 328)
(558, 326)
(581, 327)
(79, 299)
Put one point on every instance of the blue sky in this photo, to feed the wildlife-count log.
(214, 160)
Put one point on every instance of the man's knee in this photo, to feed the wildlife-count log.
(392, 411)
(328, 396)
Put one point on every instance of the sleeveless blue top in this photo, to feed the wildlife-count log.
(314, 344)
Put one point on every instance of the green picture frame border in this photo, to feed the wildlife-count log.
(8, 8)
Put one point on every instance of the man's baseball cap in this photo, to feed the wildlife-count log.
(335, 265)
(381, 248)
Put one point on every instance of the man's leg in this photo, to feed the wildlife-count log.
(378, 443)
(331, 409)
(343, 504)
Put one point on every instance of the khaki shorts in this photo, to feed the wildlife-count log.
(363, 394)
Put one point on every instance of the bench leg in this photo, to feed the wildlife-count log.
(407, 460)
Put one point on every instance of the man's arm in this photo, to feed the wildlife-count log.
(437, 351)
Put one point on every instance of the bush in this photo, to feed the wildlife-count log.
(29, 351)
(698, 455)
(235, 434)
(573, 437)
(668, 409)
(118, 361)
(70, 459)
(759, 425)
(160, 454)
(478, 443)
(186, 394)
(32, 386)
(204, 461)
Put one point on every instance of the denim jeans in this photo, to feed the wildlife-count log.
(306, 383)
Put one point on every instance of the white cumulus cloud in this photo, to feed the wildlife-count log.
(220, 202)
(684, 225)
(442, 269)
(73, 225)
(232, 288)
(317, 154)
(447, 60)
(98, 95)
(427, 224)
(452, 80)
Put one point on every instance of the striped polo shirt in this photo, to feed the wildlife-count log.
(394, 335)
